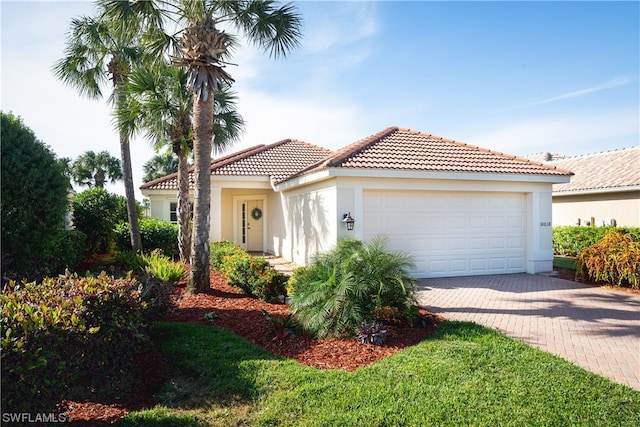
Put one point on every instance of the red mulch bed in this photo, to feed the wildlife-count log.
(242, 314)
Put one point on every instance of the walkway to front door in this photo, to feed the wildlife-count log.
(596, 328)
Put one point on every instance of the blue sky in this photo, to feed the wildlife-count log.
(516, 77)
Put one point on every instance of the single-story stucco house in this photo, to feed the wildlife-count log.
(605, 189)
(456, 208)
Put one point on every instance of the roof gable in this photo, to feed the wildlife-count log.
(410, 150)
(275, 161)
(608, 170)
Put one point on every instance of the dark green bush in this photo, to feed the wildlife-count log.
(571, 240)
(352, 284)
(156, 233)
(64, 331)
(95, 214)
(615, 260)
(64, 251)
(33, 199)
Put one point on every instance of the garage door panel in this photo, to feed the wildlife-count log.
(451, 234)
(497, 243)
(458, 244)
(477, 243)
(515, 243)
(477, 265)
(516, 264)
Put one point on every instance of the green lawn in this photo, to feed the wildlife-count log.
(465, 374)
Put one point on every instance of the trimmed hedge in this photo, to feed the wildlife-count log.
(571, 240)
(253, 275)
(65, 250)
(155, 233)
(68, 333)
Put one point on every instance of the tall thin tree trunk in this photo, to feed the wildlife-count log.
(199, 280)
(127, 174)
(184, 211)
(99, 178)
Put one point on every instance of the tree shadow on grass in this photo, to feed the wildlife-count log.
(208, 364)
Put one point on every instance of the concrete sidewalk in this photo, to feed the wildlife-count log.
(596, 328)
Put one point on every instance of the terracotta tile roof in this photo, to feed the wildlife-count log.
(406, 149)
(608, 170)
(276, 161)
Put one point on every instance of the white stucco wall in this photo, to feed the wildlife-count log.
(342, 194)
(305, 217)
(310, 221)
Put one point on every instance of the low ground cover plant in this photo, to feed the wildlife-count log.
(68, 331)
(162, 267)
(351, 285)
(615, 259)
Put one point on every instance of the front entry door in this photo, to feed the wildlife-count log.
(251, 225)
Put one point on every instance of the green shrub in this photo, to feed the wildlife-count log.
(64, 331)
(94, 213)
(33, 196)
(155, 233)
(292, 283)
(162, 267)
(353, 284)
(254, 276)
(220, 250)
(571, 240)
(64, 250)
(615, 260)
(131, 261)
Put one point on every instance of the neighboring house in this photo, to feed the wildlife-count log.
(456, 208)
(605, 189)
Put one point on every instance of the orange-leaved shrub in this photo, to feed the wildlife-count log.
(615, 260)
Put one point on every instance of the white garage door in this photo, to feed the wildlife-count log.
(451, 233)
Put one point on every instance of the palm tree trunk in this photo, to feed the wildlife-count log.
(184, 211)
(127, 174)
(203, 136)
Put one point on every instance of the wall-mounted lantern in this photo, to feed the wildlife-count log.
(348, 221)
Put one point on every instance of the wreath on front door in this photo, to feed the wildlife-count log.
(256, 213)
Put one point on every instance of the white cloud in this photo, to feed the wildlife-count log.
(611, 84)
(570, 134)
(330, 123)
(336, 24)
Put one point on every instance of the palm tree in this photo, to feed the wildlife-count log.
(203, 50)
(95, 169)
(94, 54)
(159, 102)
(160, 165)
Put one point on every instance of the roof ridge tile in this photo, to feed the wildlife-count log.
(352, 149)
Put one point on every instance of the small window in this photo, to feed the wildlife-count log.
(173, 211)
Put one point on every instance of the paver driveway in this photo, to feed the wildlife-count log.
(596, 328)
